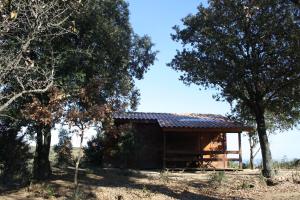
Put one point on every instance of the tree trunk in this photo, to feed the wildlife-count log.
(267, 170)
(251, 163)
(77, 164)
(41, 164)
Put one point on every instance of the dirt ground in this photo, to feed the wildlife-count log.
(113, 184)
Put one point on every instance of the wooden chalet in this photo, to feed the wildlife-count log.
(182, 140)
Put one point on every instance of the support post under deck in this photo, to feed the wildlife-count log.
(164, 150)
(240, 150)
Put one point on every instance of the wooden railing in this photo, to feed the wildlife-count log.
(188, 156)
(178, 155)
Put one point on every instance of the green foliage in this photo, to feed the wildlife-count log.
(42, 190)
(296, 177)
(230, 46)
(217, 178)
(164, 176)
(284, 163)
(63, 149)
(146, 192)
(94, 150)
(246, 185)
(49, 190)
(123, 148)
(105, 55)
(126, 145)
(262, 179)
(14, 154)
(29, 32)
(116, 146)
(77, 195)
(96, 57)
(233, 164)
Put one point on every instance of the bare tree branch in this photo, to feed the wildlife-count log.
(26, 67)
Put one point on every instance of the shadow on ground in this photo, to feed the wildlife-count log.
(61, 185)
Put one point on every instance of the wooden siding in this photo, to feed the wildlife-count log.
(205, 150)
(158, 148)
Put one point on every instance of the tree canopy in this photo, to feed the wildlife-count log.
(249, 51)
(28, 31)
(89, 53)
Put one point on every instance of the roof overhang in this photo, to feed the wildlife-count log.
(185, 122)
(206, 130)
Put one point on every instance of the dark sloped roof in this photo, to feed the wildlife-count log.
(191, 120)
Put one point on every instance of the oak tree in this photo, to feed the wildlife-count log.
(28, 60)
(249, 51)
(100, 61)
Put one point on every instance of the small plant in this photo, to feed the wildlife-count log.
(164, 176)
(146, 192)
(119, 197)
(218, 177)
(246, 185)
(77, 195)
(262, 178)
(233, 165)
(43, 190)
(49, 190)
(296, 177)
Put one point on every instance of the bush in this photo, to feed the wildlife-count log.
(296, 177)
(94, 150)
(14, 154)
(246, 185)
(217, 177)
(284, 163)
(233, 165)
(63, 149)
(126, 147)
(115, 147)
(164, 176)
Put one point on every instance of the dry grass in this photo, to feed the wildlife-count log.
(112, 184)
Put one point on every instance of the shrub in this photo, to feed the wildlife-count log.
(42, 190)
(164, 176)
(94, 150)
(14, 154)
(218, 177)
(63, 149)
(284, 163)
(115, 146)
(233, 164)
(246, 185)
(296, 177)
(126, 147)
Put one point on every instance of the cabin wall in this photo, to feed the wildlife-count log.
(184, 146)
(149, 138)
(149, 151)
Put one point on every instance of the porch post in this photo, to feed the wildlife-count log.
(224, 150)
(240, 151)
(164, 150)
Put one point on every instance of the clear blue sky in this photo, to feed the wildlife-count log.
(161, 91)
